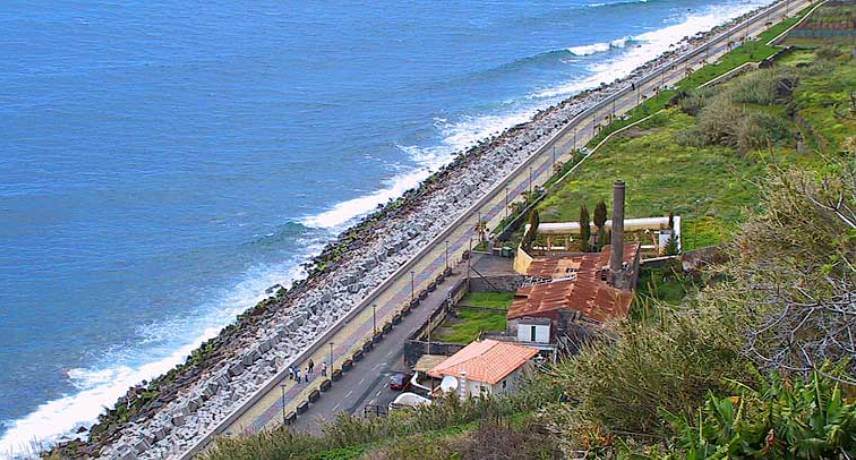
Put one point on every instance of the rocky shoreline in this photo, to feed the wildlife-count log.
(166, 416)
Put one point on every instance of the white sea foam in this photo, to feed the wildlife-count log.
(644, 47)
(100, 386)
(588, 50)
(456, 136)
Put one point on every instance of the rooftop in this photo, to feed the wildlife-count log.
(577, 285)
(568, 266)
(487, 361)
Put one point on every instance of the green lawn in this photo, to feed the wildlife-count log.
(472, 321)
(488, 299)
(708, 186)
(751, 51)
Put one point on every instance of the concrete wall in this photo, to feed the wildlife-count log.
(524, 332)
(522, 261)
(505, 283)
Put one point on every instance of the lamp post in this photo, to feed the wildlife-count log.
(374, 319)
(554, 154)
(282, 403)
(575, 138)
(530, 182)
(446, 257)
(331, 357)
(506, 202)
(412, 285)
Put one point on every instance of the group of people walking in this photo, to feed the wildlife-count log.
(295, 374)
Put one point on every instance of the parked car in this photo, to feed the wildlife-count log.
(399, 381)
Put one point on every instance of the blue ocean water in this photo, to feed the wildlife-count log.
(163, 162)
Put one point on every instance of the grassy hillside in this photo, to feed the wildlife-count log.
(669, 165)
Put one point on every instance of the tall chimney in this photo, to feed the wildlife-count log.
(616, 258)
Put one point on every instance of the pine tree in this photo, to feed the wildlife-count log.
(599, 222)
(585, 228)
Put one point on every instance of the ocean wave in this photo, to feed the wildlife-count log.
(456, 136)
(164, 345)
(648, 46)
(588, 50)
(605, 4)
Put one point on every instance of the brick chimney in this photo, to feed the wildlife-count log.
(616, 257)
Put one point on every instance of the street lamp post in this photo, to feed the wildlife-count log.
(282, 403)
(506, 202)
(374, 319)
(530, 182)
(575, 138)
(554, 154)
(412, 285)
(331, 357)
(446, 257)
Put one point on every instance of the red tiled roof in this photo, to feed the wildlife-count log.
(589, 296)
(565, 266)
(488, 361)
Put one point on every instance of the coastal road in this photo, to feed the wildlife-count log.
(266, 412)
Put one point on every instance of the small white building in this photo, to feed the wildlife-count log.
(485, 367)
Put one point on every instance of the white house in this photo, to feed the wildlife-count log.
(485, 367)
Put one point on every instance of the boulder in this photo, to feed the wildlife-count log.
(236, 369)
(178, 420)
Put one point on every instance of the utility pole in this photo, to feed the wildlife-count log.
(331, 357)
(412, 285)
(554, 154)
(374, 319)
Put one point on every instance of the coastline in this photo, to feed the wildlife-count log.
(333, 272)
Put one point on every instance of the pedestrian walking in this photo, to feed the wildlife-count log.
(307, 375)
(297, 374)
(311, 366)
(291, 372)
(324, 369)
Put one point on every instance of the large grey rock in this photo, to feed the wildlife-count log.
(178, 420)
(236, 369)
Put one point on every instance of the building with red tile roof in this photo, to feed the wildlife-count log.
(487, 366)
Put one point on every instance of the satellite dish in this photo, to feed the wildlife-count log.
(449, 383)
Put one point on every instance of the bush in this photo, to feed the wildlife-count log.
(781, 419)
(671, 362)
(758, 130)
(764, 87)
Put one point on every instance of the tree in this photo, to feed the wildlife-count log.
(532, 233)
(585, 229)
(600, 213)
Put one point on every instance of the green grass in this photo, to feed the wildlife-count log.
(751, 51)
(469, 324)
(708, 186)
(488, 299)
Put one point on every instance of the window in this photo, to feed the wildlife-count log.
(532, 334)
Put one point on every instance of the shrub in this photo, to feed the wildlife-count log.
(758, 130)
(781, 419)
(765, 87)
(671, 362)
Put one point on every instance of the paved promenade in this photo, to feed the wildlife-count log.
(349, 392)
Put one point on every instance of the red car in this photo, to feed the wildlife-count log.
(399, 381)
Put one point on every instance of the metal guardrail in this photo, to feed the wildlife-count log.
(439, 239)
